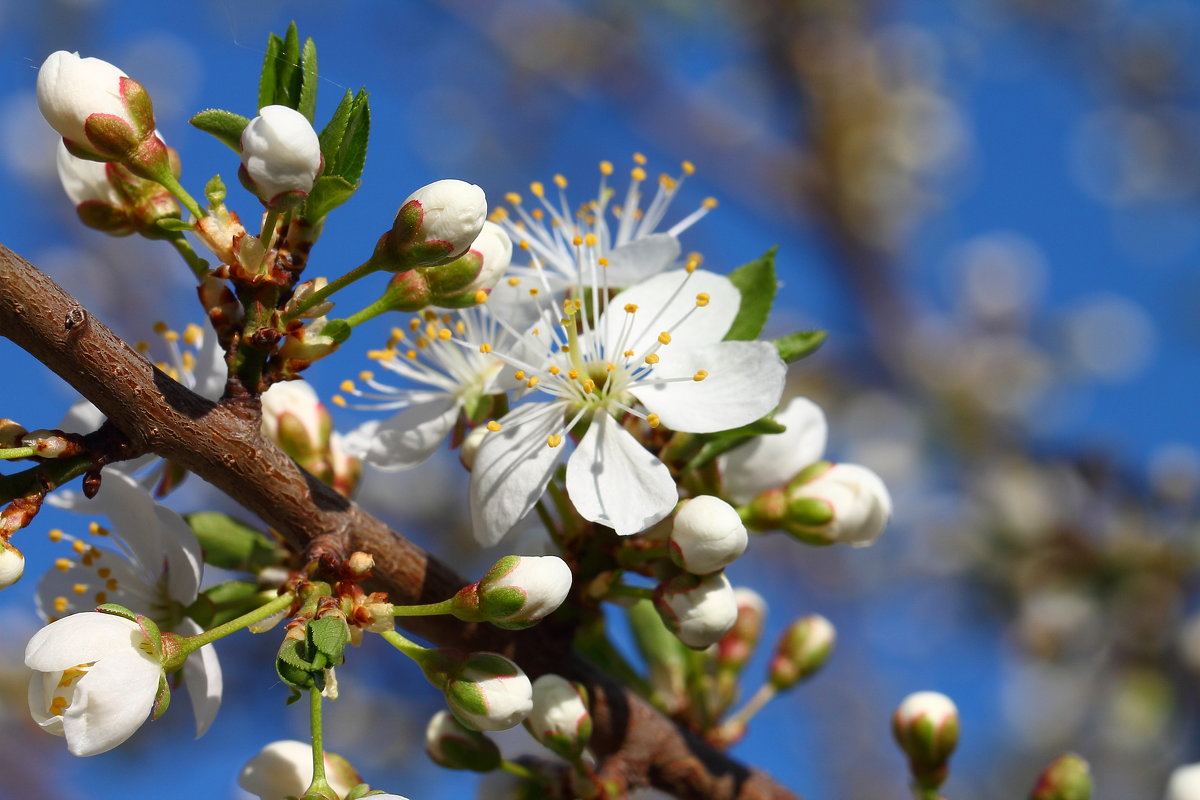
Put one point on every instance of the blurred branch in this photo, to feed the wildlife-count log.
(222, 443)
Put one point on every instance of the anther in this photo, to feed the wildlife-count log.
(554, 440)
(652, 358)
(62, 564)
(493, 426)
(348, 387)
(652, 420)
(537, 189)
(631, 308)
(638, 158)
(485, 348)
(606, 168)
(560, 181)
(700, 375)
(480, 297)
(702, 299)
(664, 338)
(638, 174)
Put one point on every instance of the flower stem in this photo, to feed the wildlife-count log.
(370, 312)
(193, 643)
(519, 770)
(753, 705)
(18, 452)
(622, 590)
(404, 645)
(319, 786)
(426, 610)
(361, 271)
(631, 556)
(172, 185)
(196, 264)
(267, 235)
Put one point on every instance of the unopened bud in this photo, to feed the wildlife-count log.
(295, 419)
(360, 563)
(452, 745)
(281, 157)
(707, 535)
(1067, 778)
(12, 564)
(493, 249)
(488, 692)
(560, 720)
(926, 728)
(303, 346)
(100, 112)
(1184, 783)
(802, 650)
(736, 647)
(53, 444)
(831, 503)
(301, 294)
(11, 433)
(437, 223)
(284, 769)
(697, 610)
(517, 592)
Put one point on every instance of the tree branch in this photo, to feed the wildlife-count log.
(636, 746)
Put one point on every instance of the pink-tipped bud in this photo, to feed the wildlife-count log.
(517, 592)
(802, 650)
(452, 745)
(697, 610)
(95, 107)
(436, 224)
(559, 719)
(281, 157)
(837, 503)
(926, 727)
(1069, 778)
(488, 692)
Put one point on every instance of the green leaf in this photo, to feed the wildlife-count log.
(796, 346)
(329, 635)
(308, 81)
(214, 191)
(331, 135)
(269, 78)
(756, 281)
(716, 444)
(352, 150)
(173, 224)
(225, 125)
(223, 602)
(232, 544)
(288, 74)
(328, 192)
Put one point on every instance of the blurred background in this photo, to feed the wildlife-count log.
(993, 206)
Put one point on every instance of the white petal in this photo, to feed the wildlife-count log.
(202, 678)
(131, 590)
(407, 438)
(744, 383)
(615, 481)
(211, 371)
(39, 707)
(110, 702)
(662, 303)
(79, 639)
(773, 459)
(512, 468)
(641, 259)
(82, 417)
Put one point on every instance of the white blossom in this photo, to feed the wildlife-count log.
(658, 345)
(285, 769)
(772, 459)
(697, 610)
(280, 152)
(95, 682)
(707, 535)
(85, 181)
(70, 89)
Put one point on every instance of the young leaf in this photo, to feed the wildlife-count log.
(329, 635)
(796, 346)
(232, 544)
(718, 443)
(352, 153)
(331, 135)
(173, 224)
(328, 192)
(268, 80)
(756, 281)
(225, 125)
(288, 74)
(308, 81)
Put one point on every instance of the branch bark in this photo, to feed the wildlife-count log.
(635, 745)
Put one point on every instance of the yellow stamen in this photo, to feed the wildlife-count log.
(485, 348)
(55, 535)
(79, 588)
(573, 374)
(513, 198)
(560, 181)
(445, 334)
(493, 426)
(688, 168)
(638, 174)
(606, 168)
(664, 337)
(554, 440)
(519, 374)
(702, 299)
(348, 387)
(193, 334)
(513, 281)
(79, 547)
(639, 159)
(61, 604)
(366, 375)
(339, 401)
(590, 240)
(554, 370)
(710, 202)
(62, 564)
(537, 189)
(653, 420)
(700, 375)
(480, 297)
(631, 308)
(652, 358)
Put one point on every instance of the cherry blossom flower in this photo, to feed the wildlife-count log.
(658, 345)
(152, 567)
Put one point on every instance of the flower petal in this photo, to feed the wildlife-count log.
(512, 468)
(202, 678)
(210, 373)
(79, 639)
(79, 585)
(615, 481)
(641, 259)
(744, 383)
(407, 438)
(111, 701)
(667, 302)
(773, 459)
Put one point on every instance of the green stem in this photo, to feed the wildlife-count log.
(621, 590)
(549, 522)
(361, 271)
(18, 452)
(426, 610)
(48, 475)
(194, 643)
(755, 704)
(404, 645)
(196, 264)
(370, 312)
(520, 771)
(631, 557)
(172, 185)
(319, 786)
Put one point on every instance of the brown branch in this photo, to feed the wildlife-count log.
(220, 442)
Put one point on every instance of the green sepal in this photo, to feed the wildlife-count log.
(172, 224)
(214, 191)
(151, 632)
(293, 668)
(328, 192)
(230, 543)
(308, 81)
(756, 282)
(224, 125)
(502, 602)
(338, 330)
(810, 512)
(117, 611)
(360, 791)
(163, 699)
(716, 444)
(796, 346)
(329, 636)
